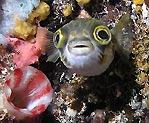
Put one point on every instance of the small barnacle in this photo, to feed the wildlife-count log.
(142, 65)
(137, 5)
(63, 8)
(138, 8)
(83, 2)
(84, 14)
(138, 2)
(67, 10)
(143, 77)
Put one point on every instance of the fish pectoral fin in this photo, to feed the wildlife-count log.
(51, 50)
(53, 57)
(123, 35)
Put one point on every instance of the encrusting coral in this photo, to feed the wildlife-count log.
(7, 66)
(28, 53)
(23, 23)
(120, 94)
(27, 29)
(12, 10)
(141, 45)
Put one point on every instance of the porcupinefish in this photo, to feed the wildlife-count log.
(87, 46)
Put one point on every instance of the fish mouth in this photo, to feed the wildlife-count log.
(80, 47)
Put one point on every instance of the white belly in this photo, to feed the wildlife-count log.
(88, 65)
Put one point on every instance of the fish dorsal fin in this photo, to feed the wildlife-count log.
(122, 36)
(51, 50)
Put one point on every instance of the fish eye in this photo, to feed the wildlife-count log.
(102, 35)
(58, 38)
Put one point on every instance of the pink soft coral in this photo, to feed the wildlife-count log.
(28, 53)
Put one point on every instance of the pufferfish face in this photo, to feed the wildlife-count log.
(85, 46)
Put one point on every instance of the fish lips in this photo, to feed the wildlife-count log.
(80, 47)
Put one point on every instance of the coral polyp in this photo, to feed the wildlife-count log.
(28, 92)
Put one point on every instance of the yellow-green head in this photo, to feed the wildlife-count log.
(85, 46)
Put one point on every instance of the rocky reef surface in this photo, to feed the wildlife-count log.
(119, 95)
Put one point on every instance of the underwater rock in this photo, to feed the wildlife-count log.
(6, 60)
(110, 97)
(84, 14)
